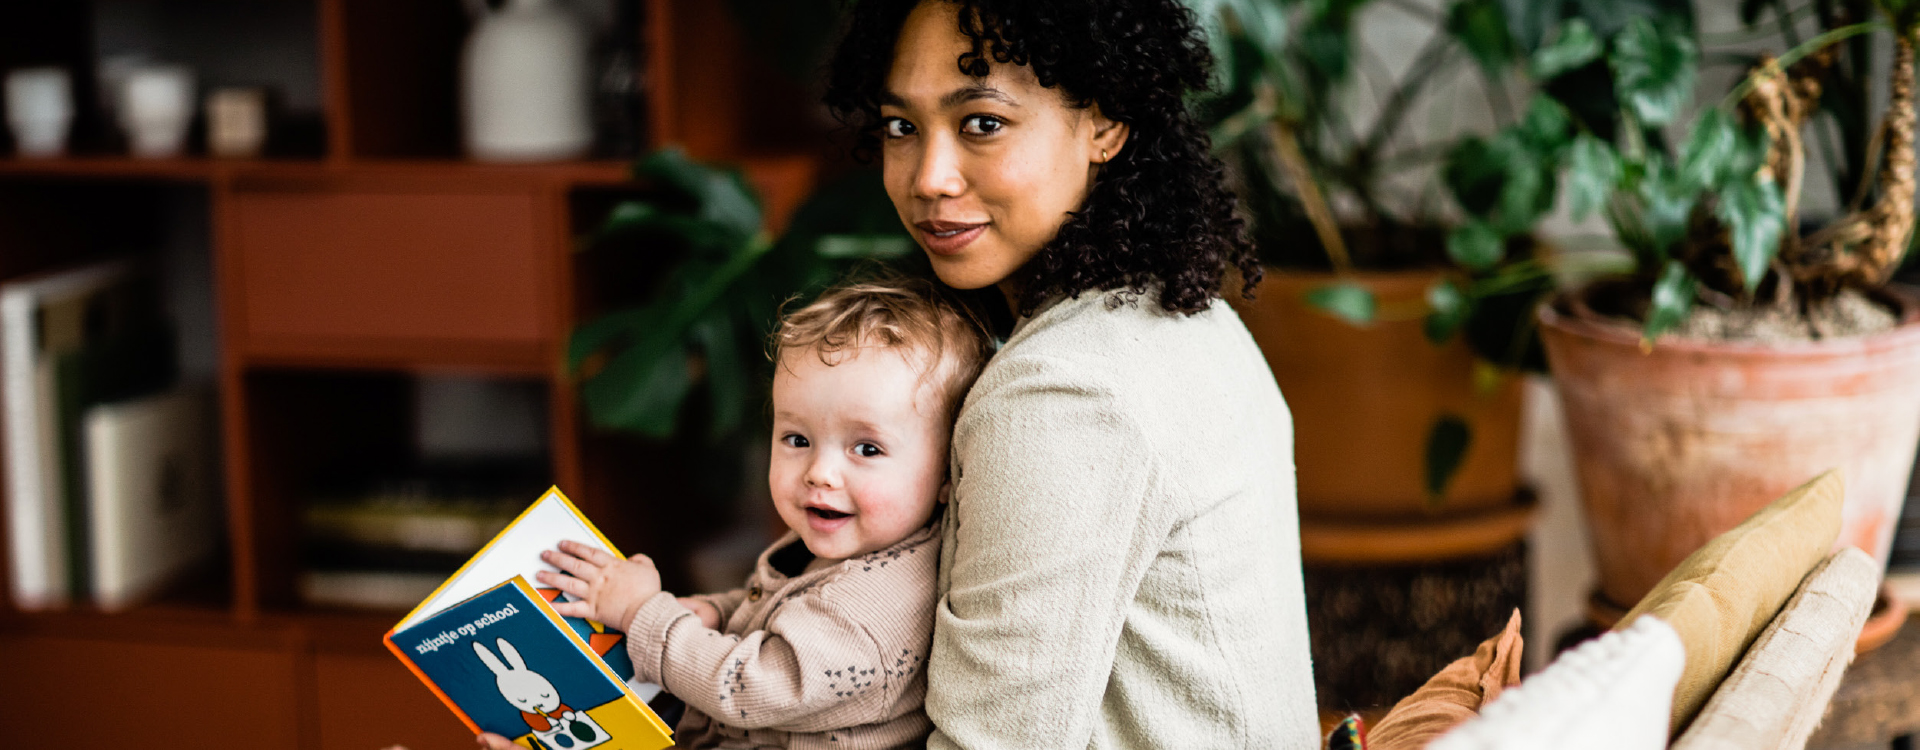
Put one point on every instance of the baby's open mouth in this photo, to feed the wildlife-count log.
(827, 513)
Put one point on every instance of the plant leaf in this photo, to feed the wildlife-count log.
(640, 391)
(1449, 309)
(1672, 300)
(728, 381)
(1653, 70)
(721, 195)
(1546, 125)
(1344, 300)
(1475, 246)
(1529, 20)
(1447, 444)
(1668, 200)
(1576, 45)
(1710, 148)
(1755, 214)
(1481, 27)
(1593, 169)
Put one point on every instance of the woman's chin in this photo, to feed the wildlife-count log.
(959, 273)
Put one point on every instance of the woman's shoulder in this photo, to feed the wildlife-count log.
(1115, 343)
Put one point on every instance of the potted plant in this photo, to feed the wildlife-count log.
(1406, 424)
(1745, 351)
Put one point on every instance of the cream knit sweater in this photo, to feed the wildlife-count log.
(1120, 564)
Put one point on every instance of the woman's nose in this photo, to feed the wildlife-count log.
(938, 175)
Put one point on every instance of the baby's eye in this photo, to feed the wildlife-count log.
(796, 441)
(894, 127)
(981, 125)
(866, 450)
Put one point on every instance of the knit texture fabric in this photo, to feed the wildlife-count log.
(829, 658)
(1121, 562)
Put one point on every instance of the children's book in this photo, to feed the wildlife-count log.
(490, 645)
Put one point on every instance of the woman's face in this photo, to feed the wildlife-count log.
(983, 171)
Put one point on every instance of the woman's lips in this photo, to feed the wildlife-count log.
(948, 237)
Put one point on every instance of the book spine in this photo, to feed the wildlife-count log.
(37, 580)
(424, 680)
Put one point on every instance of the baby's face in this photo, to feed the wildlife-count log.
(859, 449)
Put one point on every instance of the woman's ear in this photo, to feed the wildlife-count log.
(1109, 136)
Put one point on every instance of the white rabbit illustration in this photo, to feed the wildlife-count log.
(554, 722)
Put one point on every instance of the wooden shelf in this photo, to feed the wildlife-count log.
(360, 254)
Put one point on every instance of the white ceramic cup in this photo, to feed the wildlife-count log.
(39, 110)
(156, 107)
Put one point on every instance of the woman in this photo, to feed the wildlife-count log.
(1121, 561)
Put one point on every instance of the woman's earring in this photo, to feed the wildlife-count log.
(1103, 154)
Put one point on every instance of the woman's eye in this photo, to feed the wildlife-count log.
(894, 127)
(866, 450)
(981, 125)
(795, 441)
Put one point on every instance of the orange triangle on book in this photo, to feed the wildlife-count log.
(603, 642)
(548, 594)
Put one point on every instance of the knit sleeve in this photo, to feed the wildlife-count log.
(812, 669)
(726, 602)
(1053, 537)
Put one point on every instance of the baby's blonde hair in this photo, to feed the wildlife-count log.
(892, 312)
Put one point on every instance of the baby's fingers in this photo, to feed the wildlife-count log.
(591, 555)
(494, 742)
(578, 567)
(574, 609)
(568, 584)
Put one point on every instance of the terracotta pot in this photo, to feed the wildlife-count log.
(1364, 400)
(1678, 444)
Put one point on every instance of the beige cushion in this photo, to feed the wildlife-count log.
(1724, 594)
(1454, 695)
(1777, 694)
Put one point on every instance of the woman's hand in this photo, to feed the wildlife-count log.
(709, 616)
(608, 588)
(493, 741)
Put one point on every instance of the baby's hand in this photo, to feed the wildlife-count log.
(709, 616)
(609, 589)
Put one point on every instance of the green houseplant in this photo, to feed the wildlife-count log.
(1745, 350)
(1398, 422)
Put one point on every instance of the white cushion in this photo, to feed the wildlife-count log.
(1614, 692)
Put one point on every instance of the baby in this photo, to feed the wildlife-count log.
(827, 643)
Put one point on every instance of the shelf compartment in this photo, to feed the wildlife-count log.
(389, 277)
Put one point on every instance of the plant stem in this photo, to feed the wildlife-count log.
(1793, 56)
(1310, 196)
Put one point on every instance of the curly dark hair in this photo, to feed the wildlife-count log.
(1160, 211)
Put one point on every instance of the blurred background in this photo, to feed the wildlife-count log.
(301, 301)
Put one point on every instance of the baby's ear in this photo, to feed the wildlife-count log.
(946, 492)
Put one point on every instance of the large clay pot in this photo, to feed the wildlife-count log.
(1681, 442)
(1365, 398)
